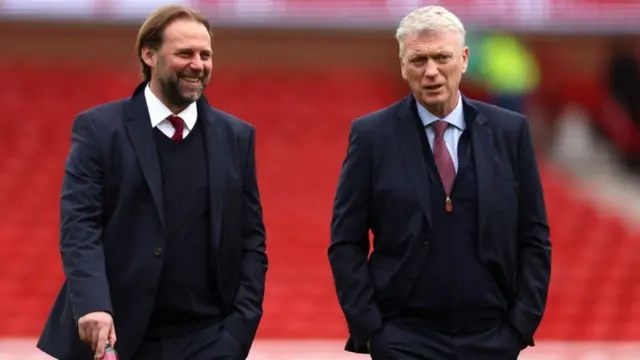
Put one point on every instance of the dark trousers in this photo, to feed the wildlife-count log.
(213, 343)
(402, 341)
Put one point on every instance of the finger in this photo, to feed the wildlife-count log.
(82, 333)
(112, 336)
(93, 336)
(103, 335)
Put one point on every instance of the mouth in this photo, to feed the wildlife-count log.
(432, 87)
(191, 79)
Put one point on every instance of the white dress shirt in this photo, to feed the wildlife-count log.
(159, 112)
(452, 134)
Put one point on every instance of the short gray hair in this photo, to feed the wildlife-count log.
(429, 18)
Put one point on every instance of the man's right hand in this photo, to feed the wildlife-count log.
(95, 329)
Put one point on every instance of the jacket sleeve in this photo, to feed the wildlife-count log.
(534, 261)
(247, 306)
(349, 248)
(81, 209)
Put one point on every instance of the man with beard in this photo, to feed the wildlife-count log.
(162, 238)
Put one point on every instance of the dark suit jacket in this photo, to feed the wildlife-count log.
(112, 219)
(384, 174)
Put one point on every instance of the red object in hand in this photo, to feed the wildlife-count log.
(109, 353)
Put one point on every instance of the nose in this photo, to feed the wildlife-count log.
(431, 69)
(197, 64)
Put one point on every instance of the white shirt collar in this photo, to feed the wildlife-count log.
(159, 112)
(455, 118)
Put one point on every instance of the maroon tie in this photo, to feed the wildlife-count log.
(178, 125)
(443, 159)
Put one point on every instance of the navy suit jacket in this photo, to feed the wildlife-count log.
(383, 188)
(112, 220)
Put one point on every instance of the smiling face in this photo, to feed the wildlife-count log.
(432, 63)
(181, 67)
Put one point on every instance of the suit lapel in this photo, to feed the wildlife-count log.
(217, 147)
(138, 125)
(482, 145)
(409, 142)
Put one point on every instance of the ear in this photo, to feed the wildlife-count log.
(465, 59)
(149, 56)
(403, 69)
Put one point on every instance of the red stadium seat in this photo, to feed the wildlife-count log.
(302, 122)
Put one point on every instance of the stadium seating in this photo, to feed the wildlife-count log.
(302, 124)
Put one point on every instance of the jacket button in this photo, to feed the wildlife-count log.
(158, 252)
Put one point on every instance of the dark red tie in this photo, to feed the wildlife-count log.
(443, 159)
(178, 125)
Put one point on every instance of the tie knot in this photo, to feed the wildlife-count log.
(178, 125)
(175, 121)
(440, 126)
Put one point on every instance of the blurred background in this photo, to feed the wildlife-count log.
(300, 71)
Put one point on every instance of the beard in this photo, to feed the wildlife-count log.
(172, 93)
